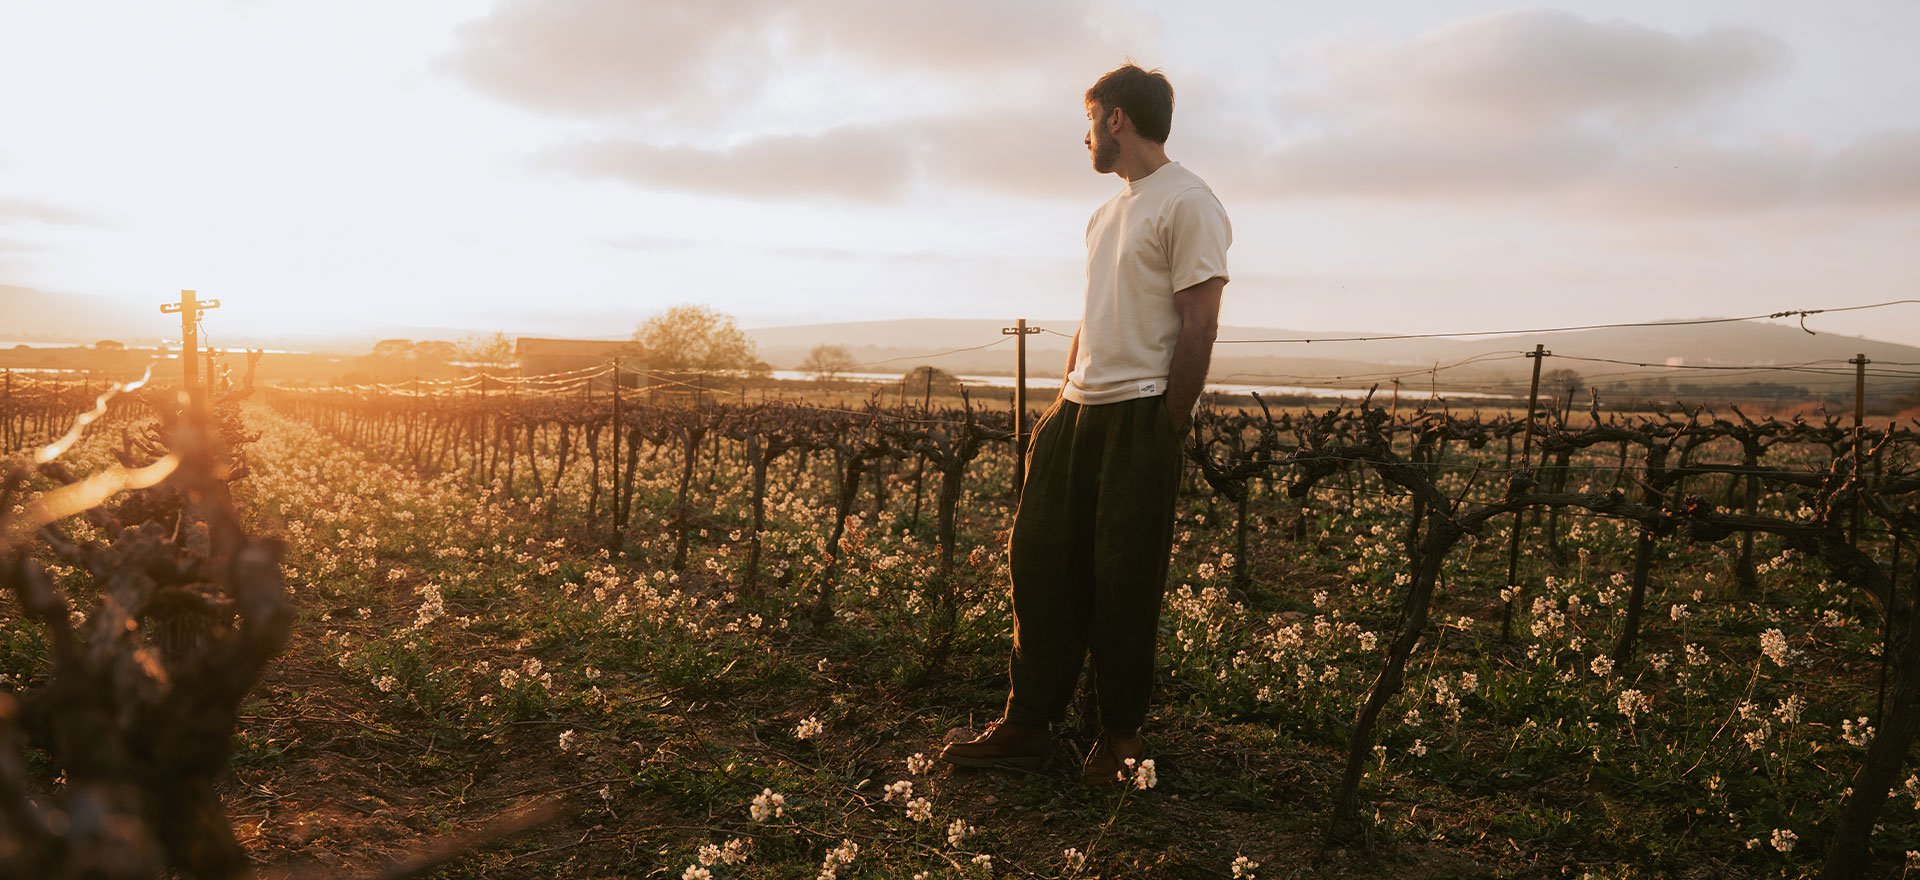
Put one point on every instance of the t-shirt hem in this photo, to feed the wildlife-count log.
(1117, 395)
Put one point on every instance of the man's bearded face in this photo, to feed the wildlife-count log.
(1103, 146)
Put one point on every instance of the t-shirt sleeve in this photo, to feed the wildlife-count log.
(1197, 236)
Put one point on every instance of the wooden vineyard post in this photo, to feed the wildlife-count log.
(480, 466)
(190, 308)
(6, 412)
(614, 506)
(1539, 354)
(920, 462)
(1020, 331)
(1859, 362)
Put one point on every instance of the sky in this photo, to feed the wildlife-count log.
(569, 167)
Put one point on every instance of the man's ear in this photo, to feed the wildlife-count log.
(1114, 119)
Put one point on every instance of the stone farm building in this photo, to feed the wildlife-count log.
(541, 356)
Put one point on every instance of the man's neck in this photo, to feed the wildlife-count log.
(1138, 165)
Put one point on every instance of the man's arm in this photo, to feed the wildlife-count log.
(1199, 308)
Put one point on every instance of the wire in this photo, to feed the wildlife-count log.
(939, 354)
(1788, 313)
(1806, 367)
(1366, 377)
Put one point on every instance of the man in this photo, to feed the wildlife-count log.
(1094, 526)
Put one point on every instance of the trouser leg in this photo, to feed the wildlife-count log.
(1132, 540)
(1048, 556)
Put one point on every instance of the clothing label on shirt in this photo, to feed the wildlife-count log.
(1149, 387)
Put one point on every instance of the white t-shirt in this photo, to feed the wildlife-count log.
(1163, 233)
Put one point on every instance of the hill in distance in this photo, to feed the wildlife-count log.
(977, 346)
(894, 345)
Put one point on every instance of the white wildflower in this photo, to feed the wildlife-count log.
(1145, 776)
(1773, 644)
(837, 858)
(1632, 702)
(767, 805)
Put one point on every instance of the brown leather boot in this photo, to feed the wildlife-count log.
(1106, 762)
(1003, 744)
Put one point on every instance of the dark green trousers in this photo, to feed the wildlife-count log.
(1089, 550)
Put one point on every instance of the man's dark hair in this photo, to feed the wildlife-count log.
(1145, 95)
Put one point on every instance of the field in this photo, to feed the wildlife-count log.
(1346, 689)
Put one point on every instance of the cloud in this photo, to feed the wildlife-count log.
(16, 210)
(868, 101)
(702, 64)
(1606, 117)
(857, 163)
(1880, 170)
(657, 244)
(853, 99)
(1031, 154)
(1384, 160)
(1696, 176)
(1544, 66)
(1498, 106)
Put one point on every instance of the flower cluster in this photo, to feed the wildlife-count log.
(767, 805)
(1773, 645)
(837, 858)
(1144, 775)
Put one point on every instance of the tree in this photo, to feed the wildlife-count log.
(827, 362)
(435, 351)
(109, 345)
(928, 380)
(1560, 380)
(393, 348)
(689, 337)
(489, 348)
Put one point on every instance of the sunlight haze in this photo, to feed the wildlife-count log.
(570, 167)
